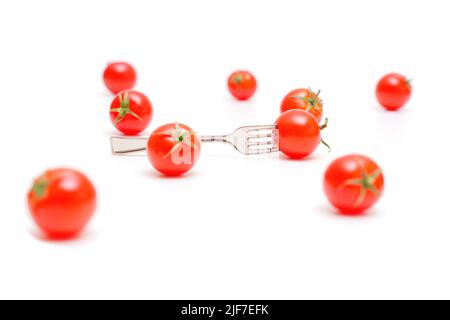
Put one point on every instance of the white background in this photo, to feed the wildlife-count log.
(234, 227)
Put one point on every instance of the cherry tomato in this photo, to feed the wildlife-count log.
(304, 99)
(299, 133)
(119, 76)
(131, 112)
(61, 202)
(173, 149)
(242, 85)
(393, 91)
(353, 183)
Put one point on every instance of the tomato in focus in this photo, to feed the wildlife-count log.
(173, 149)
(303, 99)
(242, 85)
(119, 76)
(393, 91)
(62, 202)
(131, 112)
(353, 184)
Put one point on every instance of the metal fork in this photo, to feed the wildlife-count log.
(249, 140)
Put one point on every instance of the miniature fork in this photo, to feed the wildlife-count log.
(249, 140)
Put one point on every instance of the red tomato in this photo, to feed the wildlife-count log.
(353, 183)
(299, 133)
(242, 85)
(393, 91)
(62, 201)
(119, 76)
(304, 99)
(131, 112)
(173, 149)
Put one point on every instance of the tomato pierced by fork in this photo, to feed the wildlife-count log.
(173, 149)
(299, 133)
(353, 183)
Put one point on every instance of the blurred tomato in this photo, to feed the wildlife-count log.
(242, 85)
(62, 202)
(119, 76)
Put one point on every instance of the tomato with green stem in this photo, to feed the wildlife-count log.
(119, 76)
(131, 112)
(393, 91)
(242, 85)
(353, 183)
(62, 202)
(173, 149)
(299, 133)
(304, 99)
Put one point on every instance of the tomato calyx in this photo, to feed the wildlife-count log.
(238, 78)
(324, 126)
(409, 83)
(366, 182)
(181, 136)
(39, 188)
(313, 100)
(124, 108)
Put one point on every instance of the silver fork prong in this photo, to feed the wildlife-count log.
(261, 140)
(257, 131)
(261, 136)
(260, 143)
(255, 151)
(262, 127)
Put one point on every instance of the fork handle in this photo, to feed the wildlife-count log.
(128, 145)
(223, 139)
(138, 145)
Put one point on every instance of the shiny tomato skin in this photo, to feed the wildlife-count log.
(170, 157)
(119, 76)
(393, 91)
(303, 99)
(62, 202)
(139, 117)
(299, 133)
(344, 186)
(242, 85)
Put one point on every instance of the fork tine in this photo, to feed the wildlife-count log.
(261, 136)
(262, 127)
(261, 143)
(255, 151)
(261, 139)
(253, 133)
(258, 129)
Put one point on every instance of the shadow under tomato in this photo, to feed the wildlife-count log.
(72, 238)
(329, 210)
(381, 110)
(311, 157)
(155, 174)
(233, 100)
